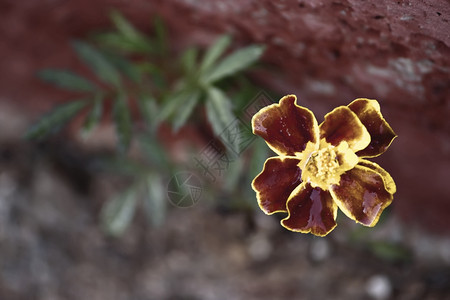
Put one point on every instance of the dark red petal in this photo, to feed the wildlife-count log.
(310, 210)
(286, 127)
(389, 183)
(343, 125)
(276, 182)
(381, 134)
(361, 195)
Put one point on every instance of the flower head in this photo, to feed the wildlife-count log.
(319, 168)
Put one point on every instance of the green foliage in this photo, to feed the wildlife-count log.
(67, 80)
(154, 152)
(172, 103)
(214, 52)
(125, 28)
(54, 120)
(122, 165)
(128, 39)
(126, 67)
(220, 114)
(189, 60)
(98, 63)
(122, 120)
(184, 110)
(148, 108)
(148, 191)
(94, 116)
(167, 87)
(389, 251)
(234, 63)
(161, 36)
(200, 79)
(118, 212)
(259, 156)
(155, 199)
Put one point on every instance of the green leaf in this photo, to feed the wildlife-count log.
(390, 251)
(122, 120)
(220, 115)
(135, 39)
(185, 110)
(170, 105)
(121, 165)
(94, 116)
(245, 91)
(128, 68)
(55, 119)
(148, 108)
(117, 213)
(155, 200)
(235, 62)
(97, 62)
(114, 40)
(259, 156)
(125, 27)
(233, 175)
(214, 52)
(156, 74)
(67, 80)
(154, 151)
(160, 32)
(188, 60)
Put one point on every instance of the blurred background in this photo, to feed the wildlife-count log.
(126, 157)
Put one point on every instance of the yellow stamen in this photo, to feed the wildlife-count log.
(324, 166)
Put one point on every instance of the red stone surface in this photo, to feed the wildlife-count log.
(326, 52)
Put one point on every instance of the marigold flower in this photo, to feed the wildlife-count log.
(322, 167)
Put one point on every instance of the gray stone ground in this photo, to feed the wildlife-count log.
(51, 246)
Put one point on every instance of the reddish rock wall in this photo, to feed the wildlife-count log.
(326, 52)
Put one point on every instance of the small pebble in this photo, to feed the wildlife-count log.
(379, 287)
(259, 248)
(319, 250)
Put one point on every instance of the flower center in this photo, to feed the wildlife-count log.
(321, 167)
